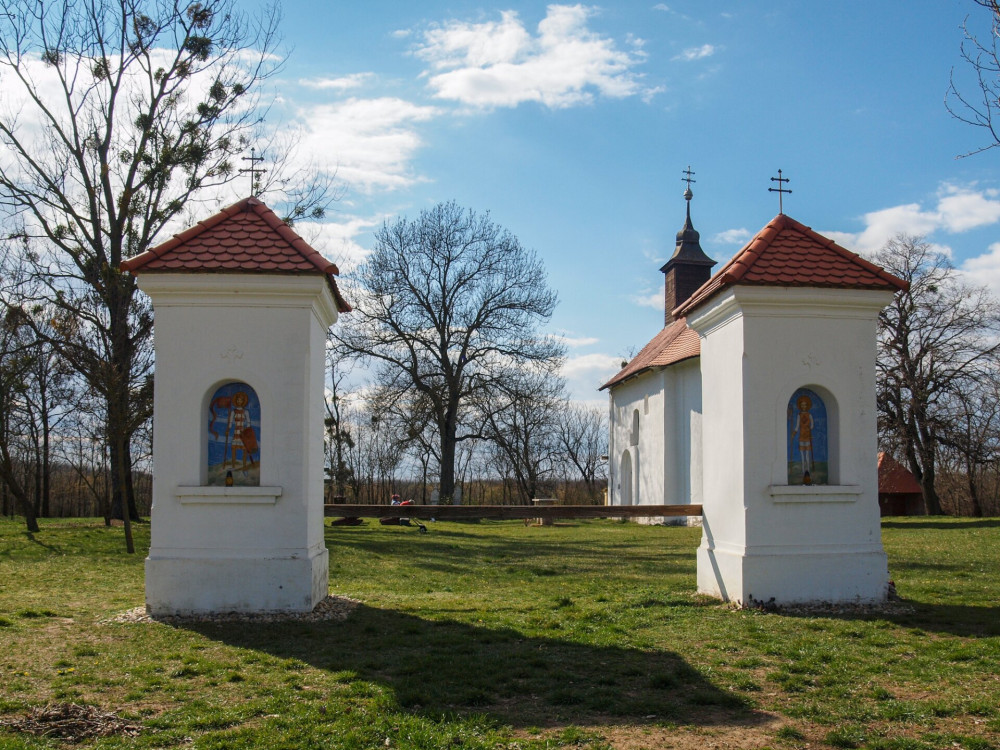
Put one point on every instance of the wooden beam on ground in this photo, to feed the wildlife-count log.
(507, 512)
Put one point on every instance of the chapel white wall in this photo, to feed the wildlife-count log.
(668, 452)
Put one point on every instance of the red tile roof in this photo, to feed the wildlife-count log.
(673, 344)
(247, 237)
(787, 253)
(893, 477)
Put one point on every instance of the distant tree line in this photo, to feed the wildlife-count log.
(146, 106)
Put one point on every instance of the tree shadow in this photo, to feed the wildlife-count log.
(972, 523)
(444, 667)
(31, 538)
(952, 619)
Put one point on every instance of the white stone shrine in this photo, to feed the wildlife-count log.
(242, 308)
(757, 401)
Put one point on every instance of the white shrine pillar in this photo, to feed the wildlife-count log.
(764, 536)
(237, 516)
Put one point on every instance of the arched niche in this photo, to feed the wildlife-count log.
(811, 437)
(233, 420)
(625, 479)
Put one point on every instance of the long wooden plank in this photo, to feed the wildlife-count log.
(470, 512)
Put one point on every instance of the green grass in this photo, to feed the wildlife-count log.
(496, 635)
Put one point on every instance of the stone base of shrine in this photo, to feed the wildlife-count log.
(191, 582)
(793, 574)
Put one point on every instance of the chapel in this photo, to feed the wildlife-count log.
(655, 440)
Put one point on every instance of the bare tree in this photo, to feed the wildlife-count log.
(128, 112)
(523, 429)
(583, 443)
(450, 303)
(935, 340)
(981, 52)
(338, 433)
(974, 437)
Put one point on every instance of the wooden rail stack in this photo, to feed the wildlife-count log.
(508, 512)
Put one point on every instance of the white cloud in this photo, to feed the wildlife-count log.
(371, 141)
(733, 236)
(591, 363)
(984, 270)
(844, 239)
(962, 209)
(652, 299)
(574, 342)
(588, 372)
(501, 64)
(958, 209)
(337, 239)
(342, 83)
(696, 53)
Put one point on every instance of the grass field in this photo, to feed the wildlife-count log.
(496, 635)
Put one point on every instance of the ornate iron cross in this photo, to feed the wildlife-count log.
(255, 172)
(780, 190)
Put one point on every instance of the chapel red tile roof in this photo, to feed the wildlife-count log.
(893, 477)
(673, 344)
(787, 253)
(247, 237)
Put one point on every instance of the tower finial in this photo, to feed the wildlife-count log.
(780, 190)
(255, 172)
(688, 195)
(688, 178)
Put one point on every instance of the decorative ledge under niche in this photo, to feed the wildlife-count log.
(228, 495)
(814, 493)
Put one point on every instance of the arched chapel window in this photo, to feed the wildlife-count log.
(808, 439)
(234, 437)
(635, 428)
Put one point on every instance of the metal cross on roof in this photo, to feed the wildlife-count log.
(255, 172)
(780, 191)
(688, 179)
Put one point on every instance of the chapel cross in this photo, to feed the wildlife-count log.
(255, 172)
(780, 191)
(688, 179)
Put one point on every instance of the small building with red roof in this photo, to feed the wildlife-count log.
(757, 401)
(242, 306)
(899, 492)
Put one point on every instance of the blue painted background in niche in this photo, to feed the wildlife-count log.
(234, 437)
(808, 450)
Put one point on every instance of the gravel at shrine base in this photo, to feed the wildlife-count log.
(333, 608)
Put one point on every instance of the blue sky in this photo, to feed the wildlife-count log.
(571, 125)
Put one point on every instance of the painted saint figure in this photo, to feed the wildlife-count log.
(804, 429)
(233, 437)
(238, 425)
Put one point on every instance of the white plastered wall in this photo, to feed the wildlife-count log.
(762, 538)
(668, 452)
(238, 548)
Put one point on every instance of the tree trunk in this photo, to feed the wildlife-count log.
(446, 485)
(932, 504)
(46, 433)
(124, 479)
(977, 508)
(21, 499)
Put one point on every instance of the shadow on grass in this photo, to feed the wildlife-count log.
(443, 667)
(437, 551)
(953, 619)
(30, 535)
(970, 523)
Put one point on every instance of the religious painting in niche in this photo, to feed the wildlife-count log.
(234, 437)
(808, 449)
